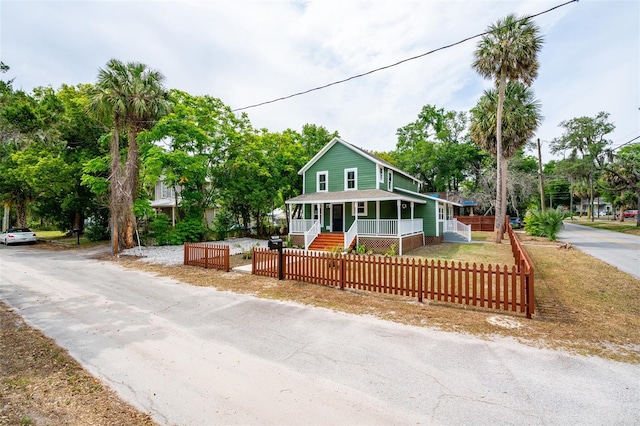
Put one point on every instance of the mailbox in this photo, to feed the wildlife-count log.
(275, 243)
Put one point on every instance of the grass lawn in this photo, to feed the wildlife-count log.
(626, 227)
(58, 237)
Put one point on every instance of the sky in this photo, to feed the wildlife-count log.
(250, 51)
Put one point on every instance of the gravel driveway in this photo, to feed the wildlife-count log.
(174, 255)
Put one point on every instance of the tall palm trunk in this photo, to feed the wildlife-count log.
(115, 188)
(132, 168)
(501, 193)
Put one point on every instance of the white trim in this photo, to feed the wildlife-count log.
(380, 174)
(324, 173)
(355, 179)
(354, 208)
(390, 180)
(429, 197)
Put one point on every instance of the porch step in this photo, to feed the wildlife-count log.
(452, 237)
(327, 241)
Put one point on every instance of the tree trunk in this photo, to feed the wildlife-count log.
(115, 186)
(505, 164)
(78, 220)
(21, 213)
(132, 171)
(500, 213)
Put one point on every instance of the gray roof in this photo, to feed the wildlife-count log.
(359, 195)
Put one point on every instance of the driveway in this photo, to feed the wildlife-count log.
(615, 248)
(196, 356)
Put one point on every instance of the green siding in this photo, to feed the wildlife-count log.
(335, 161)
(403, 182)
(428, 214)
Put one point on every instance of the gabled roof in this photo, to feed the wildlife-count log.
(357, 150)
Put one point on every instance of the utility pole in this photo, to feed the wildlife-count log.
(540, 179)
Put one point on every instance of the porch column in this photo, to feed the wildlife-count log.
(412, 206)
(399, 205)
(291, 207)
(437, 219)
(377, 217)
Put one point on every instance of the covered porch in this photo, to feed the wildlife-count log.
(378, 219)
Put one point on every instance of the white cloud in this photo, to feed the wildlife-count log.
(246, 52)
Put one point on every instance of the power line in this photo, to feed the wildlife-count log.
(626, 143)
(304, 92)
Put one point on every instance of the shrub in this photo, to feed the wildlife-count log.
(191, 230)
(222, 224)
(97, 231)
(546, 224)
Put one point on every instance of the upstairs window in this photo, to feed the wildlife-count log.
(166, 191)
(389, 180)
(350, 179)
(322, 181)
(380, 174)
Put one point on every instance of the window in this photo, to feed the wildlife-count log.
(350, 179)
(440, 212)
(389, 180)
(166, 191)
(322, 181)
(359, 208)
(380, 174)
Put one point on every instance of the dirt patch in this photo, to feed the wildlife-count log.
(42, 385)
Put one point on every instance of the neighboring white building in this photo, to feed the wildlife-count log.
(166, 200)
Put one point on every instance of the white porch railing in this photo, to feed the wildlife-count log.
(350, 235)
(311, 234)
(389, 226)
(410, 226)
(300, 226)
(452, 225)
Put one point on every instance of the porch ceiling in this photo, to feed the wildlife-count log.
(345, 196)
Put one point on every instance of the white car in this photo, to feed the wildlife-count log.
(18, 235)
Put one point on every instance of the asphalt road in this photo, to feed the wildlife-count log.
(196, 356)
(617, 249)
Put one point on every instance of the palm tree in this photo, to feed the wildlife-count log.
(127, 97)
(521, 117)
(507, 52)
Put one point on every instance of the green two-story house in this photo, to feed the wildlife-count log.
(350, 196)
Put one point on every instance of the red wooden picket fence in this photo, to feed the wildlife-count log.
(491, 286)
(480, 223)
(214, 256)
(525, 265)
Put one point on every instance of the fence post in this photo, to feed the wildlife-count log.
(343, 271)
(253, 261)
(420, 271)
(186, 257)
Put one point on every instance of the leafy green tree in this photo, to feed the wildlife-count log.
(584, 140)
(520, 119)
(621, 174)
(314, 138)
(127, 97)
(434, 149)
(507, 52)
